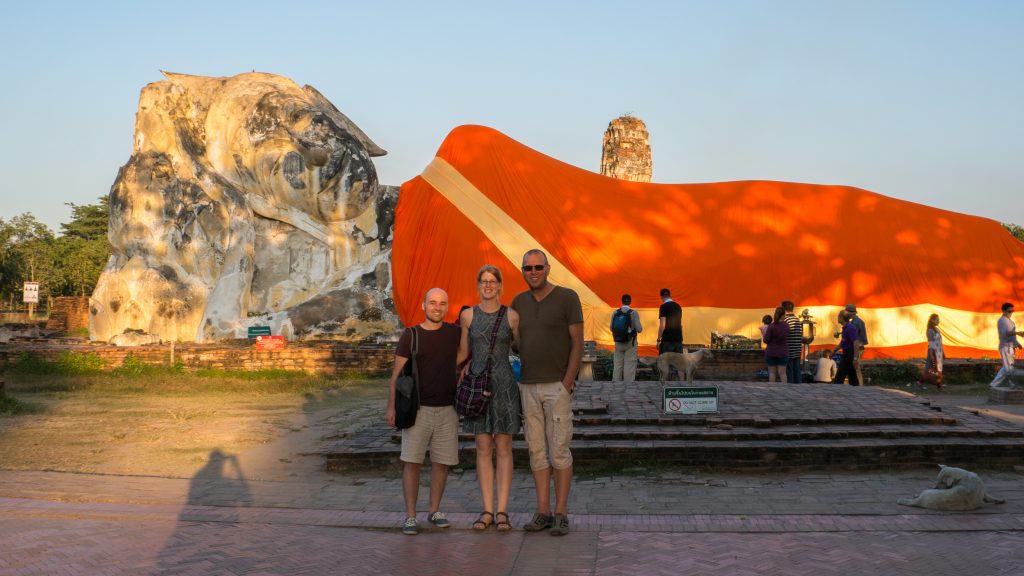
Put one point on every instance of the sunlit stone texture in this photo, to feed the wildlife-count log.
(247, 200)
(626, 150)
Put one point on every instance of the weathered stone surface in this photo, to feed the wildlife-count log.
(134, 339)
(247, 200)
(626, 151)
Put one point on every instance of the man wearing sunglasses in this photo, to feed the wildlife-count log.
(551, 349)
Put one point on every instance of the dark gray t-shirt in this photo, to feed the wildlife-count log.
(544, 341)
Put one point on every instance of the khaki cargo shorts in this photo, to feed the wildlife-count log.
(547, 424)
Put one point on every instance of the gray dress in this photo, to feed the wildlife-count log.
(504, 411)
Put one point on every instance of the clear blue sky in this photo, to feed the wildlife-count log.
(916, 100)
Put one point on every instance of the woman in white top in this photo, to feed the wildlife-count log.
(933, 364)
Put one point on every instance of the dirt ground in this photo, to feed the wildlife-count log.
(106, 427)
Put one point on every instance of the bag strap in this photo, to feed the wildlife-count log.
(494, 330)
(415, 366)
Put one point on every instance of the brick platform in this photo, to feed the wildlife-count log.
(760, 426)
(1006, 395)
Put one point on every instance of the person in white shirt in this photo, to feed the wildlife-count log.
(1007, 345)
(825, 371)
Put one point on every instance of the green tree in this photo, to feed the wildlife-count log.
(83, 249)
(27, 249)
(1016, 231)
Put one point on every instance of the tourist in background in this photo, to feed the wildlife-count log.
(860, 343)
(825, 371)
(1007, 344)
(776, 351)
(847, 343)
(494, 430)
(765, 321)
(932, 373)
(794, 345)
(625, 326)
(670, 324)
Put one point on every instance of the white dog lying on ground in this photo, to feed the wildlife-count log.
(684, 362)
(956, 490)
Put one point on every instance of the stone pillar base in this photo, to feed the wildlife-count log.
(1006, 395)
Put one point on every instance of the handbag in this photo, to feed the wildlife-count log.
(929, 373)
(474, 390)
(407, 390)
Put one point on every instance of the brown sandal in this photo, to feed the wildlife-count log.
(480, 525)
(503, 525)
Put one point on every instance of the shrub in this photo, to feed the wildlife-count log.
(67, 363)
(9, 405)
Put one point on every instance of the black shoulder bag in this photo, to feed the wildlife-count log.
(407, 390)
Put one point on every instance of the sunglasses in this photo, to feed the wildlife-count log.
(535, 267)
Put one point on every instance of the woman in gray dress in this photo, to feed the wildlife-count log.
(495, 429)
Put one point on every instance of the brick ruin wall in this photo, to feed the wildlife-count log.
(334, 357)
(69, 314)
(311, 357)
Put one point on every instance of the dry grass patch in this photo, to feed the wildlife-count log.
(164, 423)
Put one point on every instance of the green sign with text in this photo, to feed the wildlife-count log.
(255, 331)
(691, 400)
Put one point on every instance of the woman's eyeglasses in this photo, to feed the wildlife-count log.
(535, 267)
(489, 282)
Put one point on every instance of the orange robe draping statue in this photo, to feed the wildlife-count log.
(729, 251)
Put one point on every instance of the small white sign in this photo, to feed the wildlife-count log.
(31, 293)
(690, 399)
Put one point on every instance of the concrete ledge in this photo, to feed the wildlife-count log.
(1006, 395)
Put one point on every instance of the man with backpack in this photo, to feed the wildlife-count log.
(625, 327)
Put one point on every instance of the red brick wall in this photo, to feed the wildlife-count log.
(312, 357)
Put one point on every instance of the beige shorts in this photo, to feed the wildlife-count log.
(547, 424)
(437, 426)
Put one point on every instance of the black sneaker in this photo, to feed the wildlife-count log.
(539, 522)
(438, 519)
(411, 527)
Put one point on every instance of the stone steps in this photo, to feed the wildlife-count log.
(759, 426)
(777, 454)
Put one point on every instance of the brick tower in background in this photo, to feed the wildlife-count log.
(626, 152)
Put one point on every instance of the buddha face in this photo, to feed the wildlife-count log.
(302, 158)
(291, 147)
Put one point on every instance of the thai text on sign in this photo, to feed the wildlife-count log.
(270, 342)
(690, 399)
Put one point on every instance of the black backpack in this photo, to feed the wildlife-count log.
(622, 326)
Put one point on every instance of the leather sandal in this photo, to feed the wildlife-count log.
(480, 524)
(502, 525)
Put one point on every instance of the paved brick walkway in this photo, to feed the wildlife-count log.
(670, 523)
(301, 521)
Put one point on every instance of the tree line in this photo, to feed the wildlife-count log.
(68, 264)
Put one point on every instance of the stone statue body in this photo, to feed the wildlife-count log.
(247, 200)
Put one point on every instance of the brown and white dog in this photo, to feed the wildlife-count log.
(685, 362)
